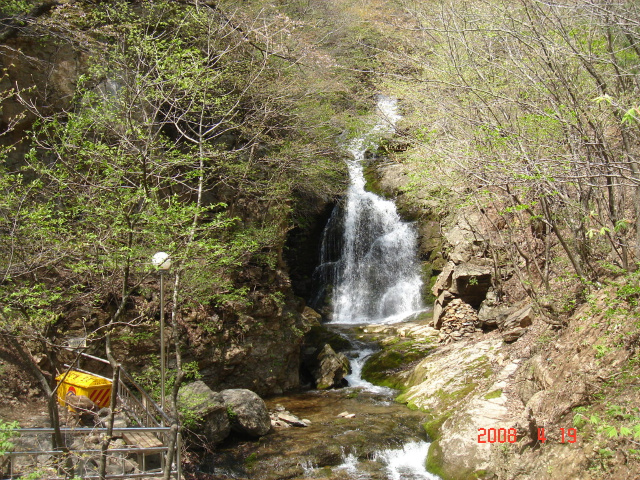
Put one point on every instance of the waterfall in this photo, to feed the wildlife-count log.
(369, 262)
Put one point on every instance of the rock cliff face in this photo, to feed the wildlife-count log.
(502, 365)
(491, 403)
(53, 67)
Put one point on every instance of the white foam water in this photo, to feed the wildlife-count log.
(408, 462)
(350, 467)
(405, 463)
(377, 276)
(357, 360)
(370, 269)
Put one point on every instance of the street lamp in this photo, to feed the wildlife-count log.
(162, 262)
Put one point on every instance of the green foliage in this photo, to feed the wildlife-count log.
(186, 134)
(601, 350)
(187, 410)
(632, 116)
(498, 98)
(579, 420)
(40, 474)
(618, 423)
(10, 8)
(149, 377)
(605, 453)
(134, 337)
(630, 292)
(8, 430)
(251, 460)
(494, 394)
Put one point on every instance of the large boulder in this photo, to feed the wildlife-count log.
(492, 313)
(439, 306)
(247, 412)
(331, 369)
(515, 325)
(316, 361)
(204, 411)
(444, 280)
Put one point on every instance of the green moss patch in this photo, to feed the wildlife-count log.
(434, 459)
(432, 427)
(450, 397)
(382, 366)
(480, 367)
(372, 181)
(435, 462)
(495, 394)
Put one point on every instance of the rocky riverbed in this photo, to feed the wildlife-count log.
(582, 377)
(349, 429)
(350, 433)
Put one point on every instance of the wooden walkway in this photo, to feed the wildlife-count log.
(145, 440)
(142, 439)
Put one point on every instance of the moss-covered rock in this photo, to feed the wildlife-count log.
(383, 366)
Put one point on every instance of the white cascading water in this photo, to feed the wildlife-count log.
(404, 463)
(369, 268)
(357, 360)
(377, 276)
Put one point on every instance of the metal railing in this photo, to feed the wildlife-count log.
(138, 404)
(139, 407)
(81, 457)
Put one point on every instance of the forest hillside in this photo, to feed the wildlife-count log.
(213, 131)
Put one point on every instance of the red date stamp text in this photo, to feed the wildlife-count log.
(503, 435)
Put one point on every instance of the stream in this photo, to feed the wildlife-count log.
(368, 274)
(383, 441)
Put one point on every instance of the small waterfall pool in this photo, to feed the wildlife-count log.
(406, 462)
(369, 262)
(374, 277)
(368, 274)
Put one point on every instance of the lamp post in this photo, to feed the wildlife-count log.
(162, 262)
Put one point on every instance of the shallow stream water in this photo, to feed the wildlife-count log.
(383, 441)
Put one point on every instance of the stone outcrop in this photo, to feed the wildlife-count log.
(247, 412)
(204, 411)
(282, 418)
(214, 415)
(331, 369)
(323, 366)
(492, 313)
(545, 380)
(468, 282)
(463, 237)
(516, 323)
(511, 320)
(467, 275)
